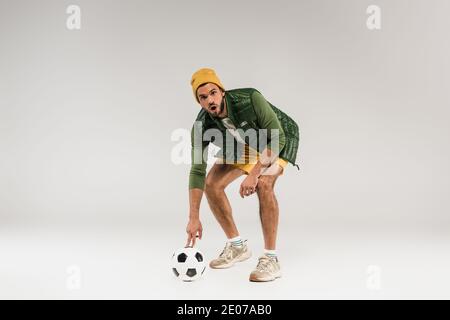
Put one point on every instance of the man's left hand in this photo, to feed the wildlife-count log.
(248, 186)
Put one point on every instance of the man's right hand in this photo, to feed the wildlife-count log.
(194, 229)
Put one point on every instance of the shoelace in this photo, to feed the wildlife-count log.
(265, 264)
(227, 252)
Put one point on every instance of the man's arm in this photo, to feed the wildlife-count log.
(267, 119)
(194, 228)
(196, 185)
(198, 165)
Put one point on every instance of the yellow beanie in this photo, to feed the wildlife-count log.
(203, 76)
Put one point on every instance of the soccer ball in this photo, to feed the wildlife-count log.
(188, 264)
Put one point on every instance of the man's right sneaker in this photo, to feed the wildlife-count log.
(230, 255)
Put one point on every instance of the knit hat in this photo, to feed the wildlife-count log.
(203, 76)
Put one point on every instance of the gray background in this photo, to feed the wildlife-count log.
(86, 118)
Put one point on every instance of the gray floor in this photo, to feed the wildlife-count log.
(318, 261)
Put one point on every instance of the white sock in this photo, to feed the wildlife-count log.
(236, 241)
(270, 253)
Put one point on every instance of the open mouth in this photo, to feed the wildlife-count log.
(213, 108)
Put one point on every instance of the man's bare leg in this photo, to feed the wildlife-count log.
(219, 177)
(268, 267)
(268, 209)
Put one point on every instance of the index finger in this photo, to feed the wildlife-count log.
(189, 239)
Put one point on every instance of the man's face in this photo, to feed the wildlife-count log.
(211, 97)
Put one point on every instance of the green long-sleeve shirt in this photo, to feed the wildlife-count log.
(266, 119)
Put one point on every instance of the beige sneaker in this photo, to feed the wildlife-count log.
(268, 269)
(230, 255)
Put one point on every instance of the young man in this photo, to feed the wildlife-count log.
(256, 140)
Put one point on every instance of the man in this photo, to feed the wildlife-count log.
(263, 140)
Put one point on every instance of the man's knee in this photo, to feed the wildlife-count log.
(265, 184)
(213, 185)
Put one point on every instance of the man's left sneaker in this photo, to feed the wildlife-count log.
(268, 269)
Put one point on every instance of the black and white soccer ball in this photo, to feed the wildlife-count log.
(188, 264)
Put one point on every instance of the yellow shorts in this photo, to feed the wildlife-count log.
(249, 161)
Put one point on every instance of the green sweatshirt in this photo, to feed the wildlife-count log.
(266, 119)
